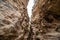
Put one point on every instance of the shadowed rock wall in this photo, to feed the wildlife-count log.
(45, 22)
(14, 20)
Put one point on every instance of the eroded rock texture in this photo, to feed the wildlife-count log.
(45, 22)
(14, 20)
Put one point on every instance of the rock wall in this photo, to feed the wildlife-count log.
(45, 22)
(14, 20)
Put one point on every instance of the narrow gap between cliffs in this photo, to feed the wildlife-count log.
(29, 8)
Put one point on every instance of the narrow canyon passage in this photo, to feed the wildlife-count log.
(29, 19)
(29, 8)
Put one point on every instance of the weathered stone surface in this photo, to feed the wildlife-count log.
(14, 20)
(45, 22)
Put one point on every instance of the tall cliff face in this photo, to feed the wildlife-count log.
(14, 20)
(45, 20)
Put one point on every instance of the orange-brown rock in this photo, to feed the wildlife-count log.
(45, 22)
(14, 20)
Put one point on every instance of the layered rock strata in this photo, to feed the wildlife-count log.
(45, 22)
(14, 20)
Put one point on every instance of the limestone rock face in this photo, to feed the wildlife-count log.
(14, 20)
(45, 22)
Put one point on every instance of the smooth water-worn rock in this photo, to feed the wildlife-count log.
(14, 20)
(45, 22)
